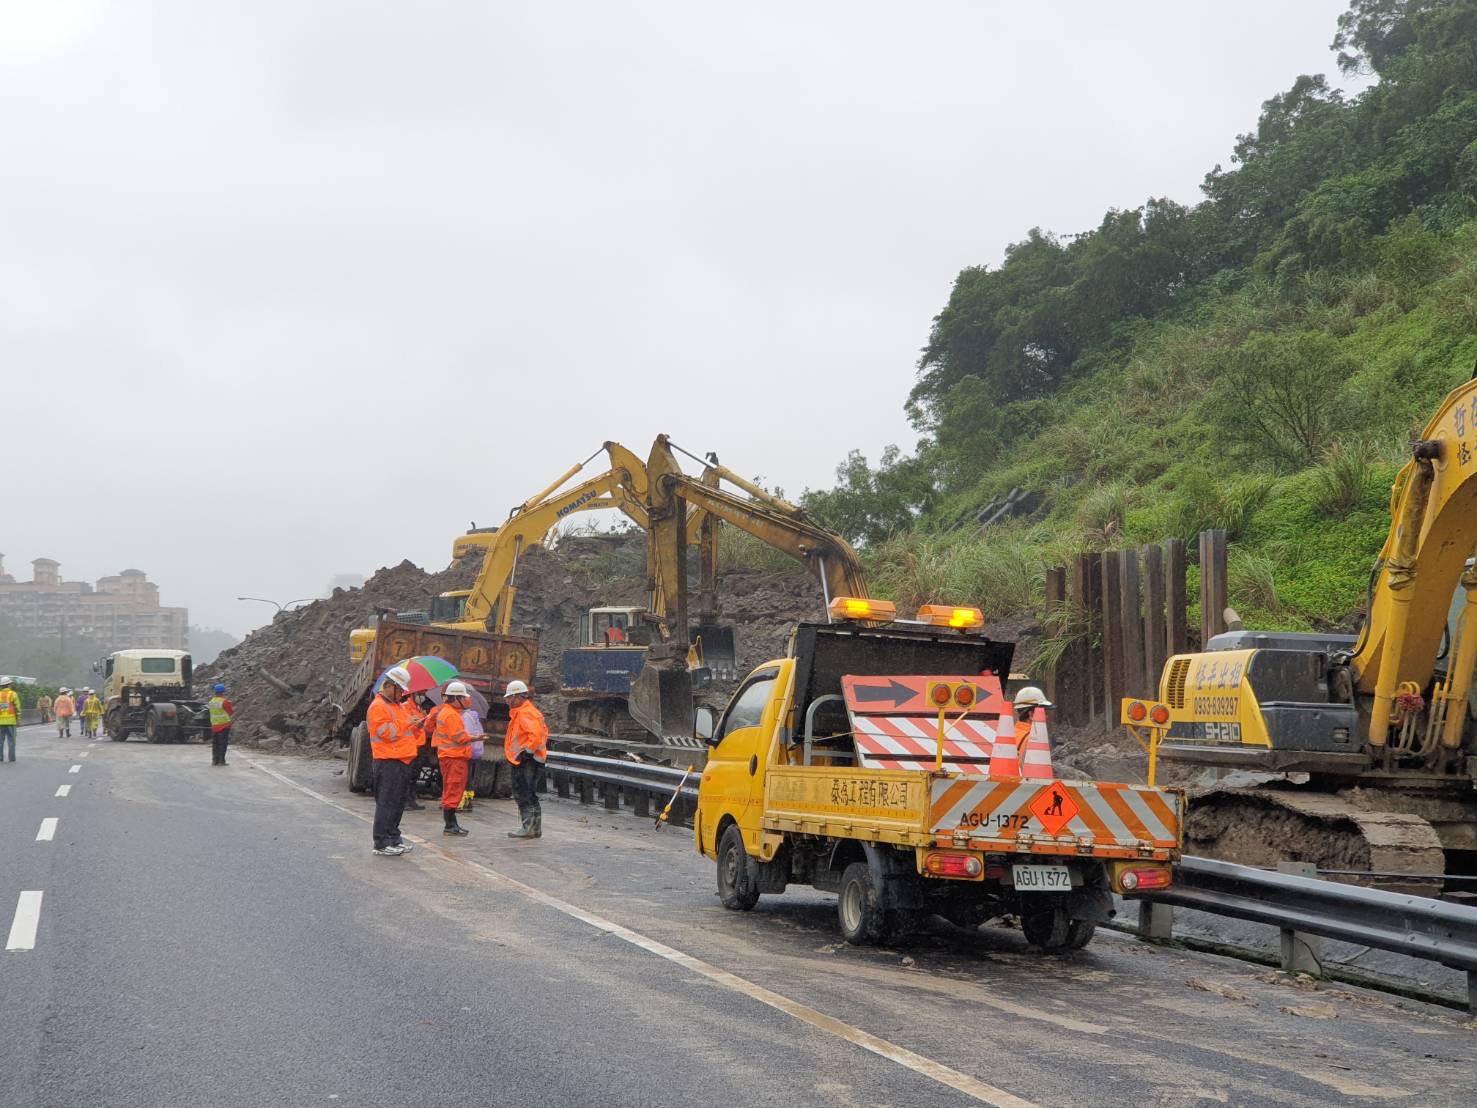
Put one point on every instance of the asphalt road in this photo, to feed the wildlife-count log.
(224, 937)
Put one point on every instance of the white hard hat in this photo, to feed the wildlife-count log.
(64, 689)
(4, 680)
(456, 688)
(400, 676)
(515, 688)
(1032, 697)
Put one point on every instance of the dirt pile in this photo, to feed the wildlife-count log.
(283, 676)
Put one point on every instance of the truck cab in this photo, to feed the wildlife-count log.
(149, 691)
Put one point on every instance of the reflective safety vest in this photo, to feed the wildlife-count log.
(526, 731)
(394, 730)
(10, 708)
(220, 713)
(450, 737)
(93, 707)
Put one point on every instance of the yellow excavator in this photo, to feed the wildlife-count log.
(661, 695)
(1361, 750)
(598, 672)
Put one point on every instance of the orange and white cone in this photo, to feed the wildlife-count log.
(1004, 757)
(1037, 762)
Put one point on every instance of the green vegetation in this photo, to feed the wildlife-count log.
(1256, 362)
(52, 661)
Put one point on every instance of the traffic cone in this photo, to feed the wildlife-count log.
(1037, 762)
(1004, 758)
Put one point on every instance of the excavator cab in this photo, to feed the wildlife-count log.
(449, 606)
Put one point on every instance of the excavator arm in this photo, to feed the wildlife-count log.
(661, 696)
(1433, 532)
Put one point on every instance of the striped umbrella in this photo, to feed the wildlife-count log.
(426, 672)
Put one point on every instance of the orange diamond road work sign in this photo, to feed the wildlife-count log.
(1054, 807)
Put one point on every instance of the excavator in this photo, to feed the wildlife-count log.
(661, 696)
(488, 605)
(1360, 751)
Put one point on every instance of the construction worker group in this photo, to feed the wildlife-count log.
(398, 727)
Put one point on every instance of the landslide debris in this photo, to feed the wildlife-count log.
(283, 676)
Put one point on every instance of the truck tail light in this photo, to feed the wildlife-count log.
(947, 863)
(1137, 880)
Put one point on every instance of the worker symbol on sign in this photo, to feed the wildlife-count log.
(1054, 807)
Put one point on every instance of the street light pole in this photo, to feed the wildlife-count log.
(279, 607)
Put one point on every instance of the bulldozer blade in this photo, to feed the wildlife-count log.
(720, 654)
(661, 701)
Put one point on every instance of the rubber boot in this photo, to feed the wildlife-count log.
(538, 827)
(524, 832)
(452, 827)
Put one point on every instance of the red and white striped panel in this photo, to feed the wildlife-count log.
(911, 742)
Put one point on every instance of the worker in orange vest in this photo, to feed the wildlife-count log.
(1026, 701)
(394, 738)
(66, 708)
(526, 746)
(454, 747)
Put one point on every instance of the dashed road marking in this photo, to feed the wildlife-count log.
(84, 753)
(27, 919)
(48, 830)
(63, 790)
(927, 1067)
(76, 769)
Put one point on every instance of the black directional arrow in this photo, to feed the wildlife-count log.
(895, 692)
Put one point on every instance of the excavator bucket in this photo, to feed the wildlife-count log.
(661, 698)
(719, 653)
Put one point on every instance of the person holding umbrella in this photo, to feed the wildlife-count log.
(454, 748)
(526, 746)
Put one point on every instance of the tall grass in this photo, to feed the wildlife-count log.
(1002, 571)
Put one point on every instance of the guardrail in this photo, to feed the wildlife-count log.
(641, 785)
(1303, 907)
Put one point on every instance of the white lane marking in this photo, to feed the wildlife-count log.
(48, 830)
(944, 1075)
(27, 919)
(85, 753)
(63, 790)
(75, 769)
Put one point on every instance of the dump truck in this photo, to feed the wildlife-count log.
(486, 661)
(150, 692)
(878, 760)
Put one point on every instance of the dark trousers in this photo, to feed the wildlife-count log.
(219, 740)
(7, 735)
(393, 783)
(525, 784)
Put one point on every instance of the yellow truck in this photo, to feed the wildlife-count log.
(827, 769)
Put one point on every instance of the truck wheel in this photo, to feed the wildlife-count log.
(1079, 934)
(859, 907)
(735, 882)
(1047, 927)
(152, 729)
(113, 724)
(360, 763)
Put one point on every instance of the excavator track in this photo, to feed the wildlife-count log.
(1340, 832)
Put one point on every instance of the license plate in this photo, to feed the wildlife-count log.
(1042, 879)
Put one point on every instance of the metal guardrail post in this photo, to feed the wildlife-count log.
(612, 798)
(1156, 921)
(1301, 952)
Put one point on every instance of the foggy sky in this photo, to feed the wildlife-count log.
(289, 289)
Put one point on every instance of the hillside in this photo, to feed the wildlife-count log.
(1256, 362)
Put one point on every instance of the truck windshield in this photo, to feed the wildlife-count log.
(748, 706)
(157, 665)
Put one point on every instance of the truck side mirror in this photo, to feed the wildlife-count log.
(704, 724)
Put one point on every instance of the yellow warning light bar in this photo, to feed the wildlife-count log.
(947, 615)
(852, 607)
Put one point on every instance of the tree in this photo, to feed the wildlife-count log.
(1280, 395)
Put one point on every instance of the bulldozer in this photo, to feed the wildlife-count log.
(1357, 753)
